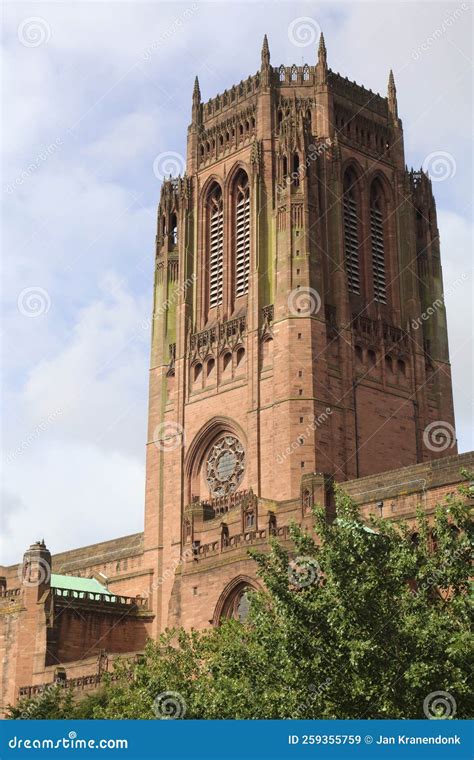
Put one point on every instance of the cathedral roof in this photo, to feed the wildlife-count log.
(76, 583)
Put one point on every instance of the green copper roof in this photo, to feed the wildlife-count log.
(74, 583)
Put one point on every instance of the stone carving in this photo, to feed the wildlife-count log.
(212, 341)
(225, 466)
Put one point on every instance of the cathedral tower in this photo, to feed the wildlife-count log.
(293, 263)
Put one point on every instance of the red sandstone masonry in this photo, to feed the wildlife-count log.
(378, 380)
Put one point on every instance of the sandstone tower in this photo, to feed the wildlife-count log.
(293, 262)
(296, 262)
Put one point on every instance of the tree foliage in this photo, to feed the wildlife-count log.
(366, 621)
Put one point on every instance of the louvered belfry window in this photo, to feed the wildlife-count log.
(351, 233)
(242, 235)
(377, 239)
(216, 247)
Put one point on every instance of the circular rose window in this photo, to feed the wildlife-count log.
(225, 466)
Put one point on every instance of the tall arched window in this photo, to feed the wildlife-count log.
(351, 232)
(234, 602)
(377, 242)
(241, 234)
(215, 245)
(174, 228)
(296, 169)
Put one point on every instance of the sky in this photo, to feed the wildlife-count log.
(96, 100)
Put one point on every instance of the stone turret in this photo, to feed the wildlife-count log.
(197, 111)
(36, 568)
(392, 97)
(265, 67)
(322, 66)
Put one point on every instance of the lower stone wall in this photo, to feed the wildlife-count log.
(397, 495)
(83, 632)
(216, 567)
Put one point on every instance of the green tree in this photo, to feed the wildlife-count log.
(367, 621)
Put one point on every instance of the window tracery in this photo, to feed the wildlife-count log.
(225, 466)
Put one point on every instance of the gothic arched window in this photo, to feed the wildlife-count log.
(377, 242)
(272, 524)
(242, 609)
(237, 605)
(307, 499)
(296, 169)
(187, 530)
(224, 535)
(249, 519)
(306, 73)
(351, 232)
(282, 74)
(241, 253)
(174, 228)
(215, 245)
(294, 74)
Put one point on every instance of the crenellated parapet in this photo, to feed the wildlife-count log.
(420, 186)
(234, 131)
(175, 198)
(175, 194)
(358, 94)
(238, 94)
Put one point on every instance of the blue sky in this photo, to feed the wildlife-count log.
(93, 93)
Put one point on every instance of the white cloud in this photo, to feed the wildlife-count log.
(78, 446)
(126, 140)
(457, 237)
(71, 495)
(95, 379)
